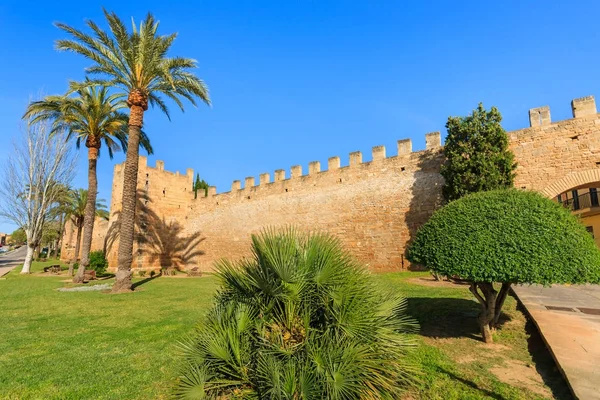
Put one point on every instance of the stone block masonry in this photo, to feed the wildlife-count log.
(373, 207)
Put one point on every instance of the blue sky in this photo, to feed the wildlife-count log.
(297, 81)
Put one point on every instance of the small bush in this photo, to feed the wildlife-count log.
(142, 273)
(98, 262)
(152, 273)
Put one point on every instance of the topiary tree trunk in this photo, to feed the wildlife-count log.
(491, 306)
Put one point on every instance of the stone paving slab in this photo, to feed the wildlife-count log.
(572, 337)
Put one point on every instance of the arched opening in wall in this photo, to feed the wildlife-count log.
(584, 201)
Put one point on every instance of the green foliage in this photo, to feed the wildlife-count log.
(508, 236)
(98, 262)
(18, 237)
(200, 185)
(75, 207)
(135, 61)
(299, 320)
(50, 232)
(92, 116)
(477, 154)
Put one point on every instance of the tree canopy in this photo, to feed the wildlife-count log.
(18, 236)
(507, 236)
(477, 154)
(200, 185)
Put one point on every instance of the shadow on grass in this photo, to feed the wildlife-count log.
(543, 360)
(137, 284)
(471, 384)
(447, 317)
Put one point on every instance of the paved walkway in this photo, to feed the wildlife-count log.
(568, 318)
(12, 259)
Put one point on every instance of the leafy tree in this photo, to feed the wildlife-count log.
(477, 154)
(135, 64)
(92, 116)
(75, 210)
(200, 185)
(50, 233)
(298, 320)
(506, 236)
(18, 237)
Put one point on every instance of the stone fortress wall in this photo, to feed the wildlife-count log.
(373, 207)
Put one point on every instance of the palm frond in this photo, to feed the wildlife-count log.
(136, 60)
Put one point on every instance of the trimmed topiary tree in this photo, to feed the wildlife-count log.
(507, 237)
(298, 320)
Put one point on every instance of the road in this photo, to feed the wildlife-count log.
(12, 259)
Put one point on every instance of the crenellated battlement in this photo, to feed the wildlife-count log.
(539, 118)
(355, 159)
(580, 107)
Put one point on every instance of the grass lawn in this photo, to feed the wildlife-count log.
(93, 345)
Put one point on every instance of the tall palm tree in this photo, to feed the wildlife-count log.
(75, 210)
(93, 115)
(136, 65)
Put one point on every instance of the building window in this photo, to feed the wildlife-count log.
(590, 229)
(594, 197)
(575, 200)
(559, 198)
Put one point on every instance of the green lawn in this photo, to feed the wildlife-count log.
(93, 345)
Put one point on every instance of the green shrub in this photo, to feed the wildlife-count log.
(299, 320)
(507, 236)
(98, 262)
(142, 273)
(478, 157)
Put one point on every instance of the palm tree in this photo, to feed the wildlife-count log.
(75, 210)
(136, 65)
(93, 116)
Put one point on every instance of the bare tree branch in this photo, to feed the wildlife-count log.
(34, 175)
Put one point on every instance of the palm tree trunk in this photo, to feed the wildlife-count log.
(79, 229)
(89, 216)
(130, 172)
(61, 232)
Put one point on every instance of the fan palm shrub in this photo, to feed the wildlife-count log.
(136, 65)
(298, 320)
